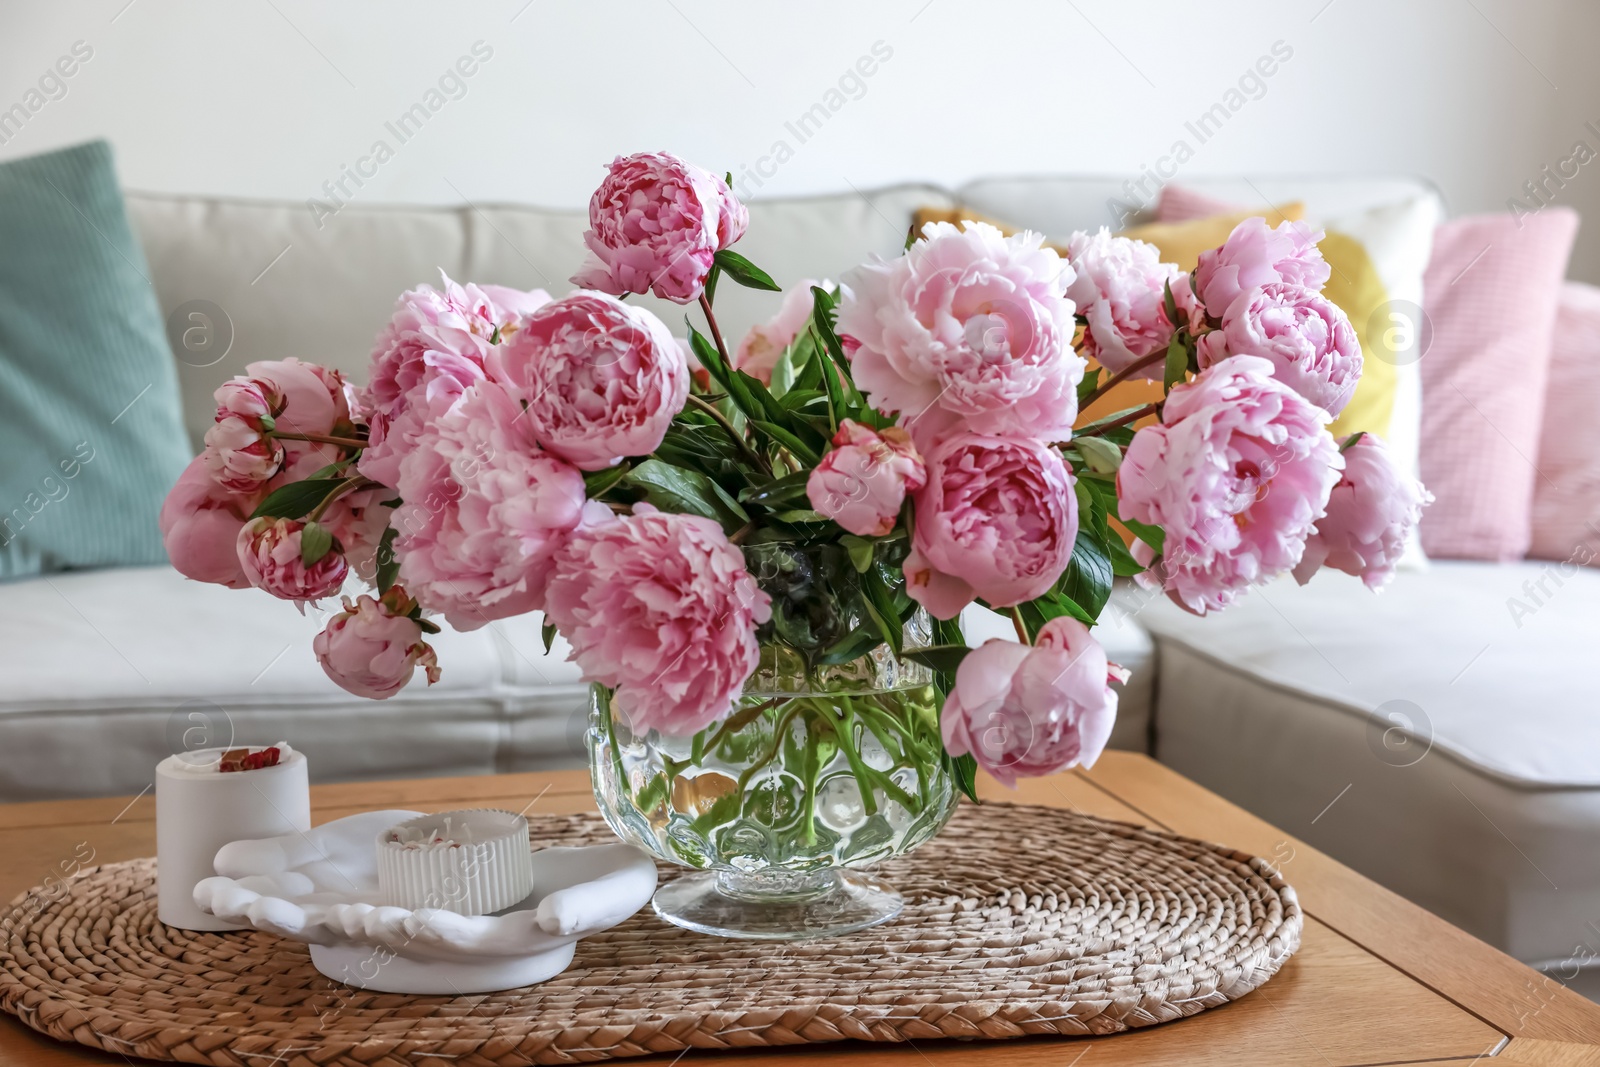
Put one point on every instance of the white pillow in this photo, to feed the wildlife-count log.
(1398, 239)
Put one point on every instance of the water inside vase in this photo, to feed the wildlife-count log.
(798, 778)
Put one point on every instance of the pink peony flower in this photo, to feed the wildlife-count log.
(1254, 255)
(432, 350)
(200, 523)
(996, 519)
(655, 225)
(600, 379)
(861, 483)
(1371, 512)
(269, 554)
(1309, 341)
(1237, 474)
(660, 608)
(1120, 288)
(968, 331)
(240, 456)
(759, 351)
(1023, 712)
(372, 653)
(484, 511)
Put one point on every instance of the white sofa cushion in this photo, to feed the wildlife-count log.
(1436, 737)
(111, 670)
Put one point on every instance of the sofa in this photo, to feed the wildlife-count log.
(1423, 736)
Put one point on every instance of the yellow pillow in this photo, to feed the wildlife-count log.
(1182, 242)
(1353, 284)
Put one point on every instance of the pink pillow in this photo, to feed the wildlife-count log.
(1566, 492)
(1490, 293)
(1178, 203)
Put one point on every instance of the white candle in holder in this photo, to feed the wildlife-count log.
(200, 808)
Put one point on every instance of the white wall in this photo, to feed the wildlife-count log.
(270, 98)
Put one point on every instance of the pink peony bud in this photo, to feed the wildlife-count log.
(371, 652)
(655, 225)
(1023, 712)
(862, 482)
(1371, 512)
(997, 519)
(239, 456)
(270, 555)
(1309, 340)
(247, 398)
(1255, 255)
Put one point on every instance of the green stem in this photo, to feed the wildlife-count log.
(847, 742)
(777, 744)
(738, 438)
(1123, 375)
(732, 724)
(1020, 625)
(1132, 416)
(349, 485)
(911, 745)
(614, 749)
(318, 438)
(716, 332)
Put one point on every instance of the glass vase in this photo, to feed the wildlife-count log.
(782, 808)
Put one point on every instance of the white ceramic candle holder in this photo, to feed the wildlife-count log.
(200, 808)
(472, 862)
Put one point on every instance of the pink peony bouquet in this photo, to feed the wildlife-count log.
(904, 442)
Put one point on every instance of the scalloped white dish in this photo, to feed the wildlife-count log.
(321, 887)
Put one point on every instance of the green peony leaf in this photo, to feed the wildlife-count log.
(295, 500)
(678, 489)
(1177, 363)
(315, 543)
(964, 769)
(1087, 581)
(745, 272)
(860, 550)
(596, 483)
(388, 565)
(942, 658)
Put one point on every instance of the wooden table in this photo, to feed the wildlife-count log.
(1376, 981)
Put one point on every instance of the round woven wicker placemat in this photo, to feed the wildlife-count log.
(1019, 921)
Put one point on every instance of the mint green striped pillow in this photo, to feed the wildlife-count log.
(91, 436)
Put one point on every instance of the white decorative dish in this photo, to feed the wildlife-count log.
(321, 887)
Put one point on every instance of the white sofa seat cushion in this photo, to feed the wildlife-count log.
(1434, 736)
(112, 670)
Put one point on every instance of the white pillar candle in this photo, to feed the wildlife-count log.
(200, 808)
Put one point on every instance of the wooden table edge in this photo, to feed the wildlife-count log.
(1480, 979)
